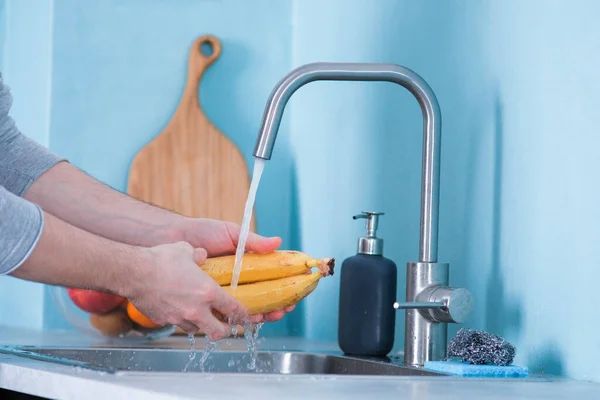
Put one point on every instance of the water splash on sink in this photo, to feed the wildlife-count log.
(209, 347)
(251, 335)
(192, 342)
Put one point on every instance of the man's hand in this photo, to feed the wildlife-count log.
(169, 288)
(221, 238)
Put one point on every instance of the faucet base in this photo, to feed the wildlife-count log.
(425, 339)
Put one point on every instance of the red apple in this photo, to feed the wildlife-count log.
(94, 301)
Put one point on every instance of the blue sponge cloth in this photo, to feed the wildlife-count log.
(479, 353)
(476, 370)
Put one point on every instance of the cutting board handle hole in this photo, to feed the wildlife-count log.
(206, 48)
(205, 51)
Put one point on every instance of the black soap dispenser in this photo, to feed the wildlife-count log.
(367, 318)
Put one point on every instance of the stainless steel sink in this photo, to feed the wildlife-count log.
(120, 360)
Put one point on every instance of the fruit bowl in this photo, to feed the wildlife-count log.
(105, 316)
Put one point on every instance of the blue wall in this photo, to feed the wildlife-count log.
(114, 85)
(25, 63)
(517, 85)
(380, 167)
(3, 31)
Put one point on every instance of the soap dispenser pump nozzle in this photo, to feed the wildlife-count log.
(370, 244)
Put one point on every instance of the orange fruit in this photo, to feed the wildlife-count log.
(113, 323)
(139, 318)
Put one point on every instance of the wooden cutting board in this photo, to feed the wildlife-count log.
(191, 167)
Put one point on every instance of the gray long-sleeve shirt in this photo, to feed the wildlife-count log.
(22, 161)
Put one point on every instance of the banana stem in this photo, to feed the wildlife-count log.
(326, 266)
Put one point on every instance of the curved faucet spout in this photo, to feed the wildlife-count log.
(370, 72)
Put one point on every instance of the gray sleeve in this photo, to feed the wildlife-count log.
(21, 225)
(22, 160)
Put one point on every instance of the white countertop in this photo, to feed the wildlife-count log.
(64, 383)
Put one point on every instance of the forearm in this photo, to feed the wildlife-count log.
(37, 246)
(68, 256)
(82, 201)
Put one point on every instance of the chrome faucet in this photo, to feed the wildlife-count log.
(430, 304)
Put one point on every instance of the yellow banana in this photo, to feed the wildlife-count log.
(260, 267)
(277, 294)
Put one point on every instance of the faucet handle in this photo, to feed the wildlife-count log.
(443, 304)
(418, 305)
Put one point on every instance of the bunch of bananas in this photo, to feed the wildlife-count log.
(267, 282)
(272, 281)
